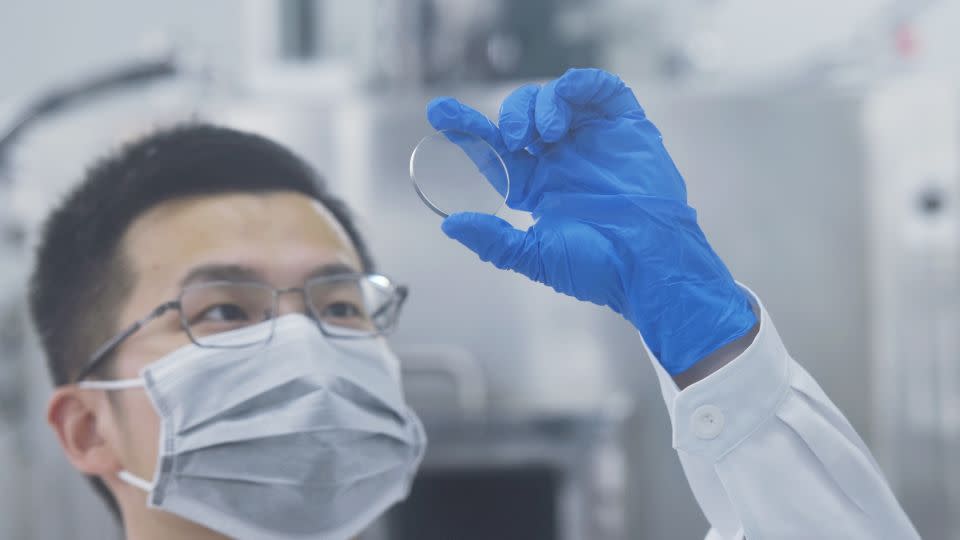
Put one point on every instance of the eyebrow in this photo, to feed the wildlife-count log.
(220, 272)
(332, 269)
(236, 272)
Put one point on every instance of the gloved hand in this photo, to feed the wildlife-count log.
(613, 226)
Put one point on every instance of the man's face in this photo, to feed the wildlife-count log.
(278, 238)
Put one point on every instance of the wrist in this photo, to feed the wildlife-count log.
(708, 365)
(684, 328)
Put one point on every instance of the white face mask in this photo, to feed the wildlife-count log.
(302, 437)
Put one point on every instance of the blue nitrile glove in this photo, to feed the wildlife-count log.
(613, 226)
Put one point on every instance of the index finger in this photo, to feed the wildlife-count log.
(448, 113)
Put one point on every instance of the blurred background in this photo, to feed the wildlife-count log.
(819, 139)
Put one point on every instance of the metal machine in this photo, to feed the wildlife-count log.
(913, 137)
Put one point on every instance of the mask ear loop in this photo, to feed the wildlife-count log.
(121, 384)
(135, 481)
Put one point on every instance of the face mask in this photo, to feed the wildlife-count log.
(302, 437)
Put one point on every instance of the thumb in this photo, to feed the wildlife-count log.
(496, 241)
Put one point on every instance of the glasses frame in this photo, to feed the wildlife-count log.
(400, 294)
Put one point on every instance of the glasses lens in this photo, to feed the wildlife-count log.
(213, 308)
(354, 305)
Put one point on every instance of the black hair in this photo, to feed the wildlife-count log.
(80, 279)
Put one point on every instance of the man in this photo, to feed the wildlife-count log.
(213, 328)
(174, 249)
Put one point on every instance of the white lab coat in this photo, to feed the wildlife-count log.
(769, 456)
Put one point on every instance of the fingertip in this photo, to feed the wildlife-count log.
(513, 136)
(453, 224)
(584, 85)
(439, 101)
(442, 111)
(516, 133)
(462, 224)
(516, 120)
(490, 237)
(552, 114)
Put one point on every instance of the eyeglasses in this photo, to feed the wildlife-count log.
(345, 306)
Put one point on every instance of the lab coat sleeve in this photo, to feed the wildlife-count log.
(769, 456)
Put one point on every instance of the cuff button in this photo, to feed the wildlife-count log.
(707, 422)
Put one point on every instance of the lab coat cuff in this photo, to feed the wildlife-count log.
(713, 415)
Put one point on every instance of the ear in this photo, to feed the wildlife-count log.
(79, 418)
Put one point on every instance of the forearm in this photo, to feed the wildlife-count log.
(768, 455)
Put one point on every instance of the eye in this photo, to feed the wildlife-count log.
(223, 313)
(341, 310)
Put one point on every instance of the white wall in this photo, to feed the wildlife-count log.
(43, 41)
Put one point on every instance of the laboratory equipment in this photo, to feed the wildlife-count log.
(550, 476)
(914, 250)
